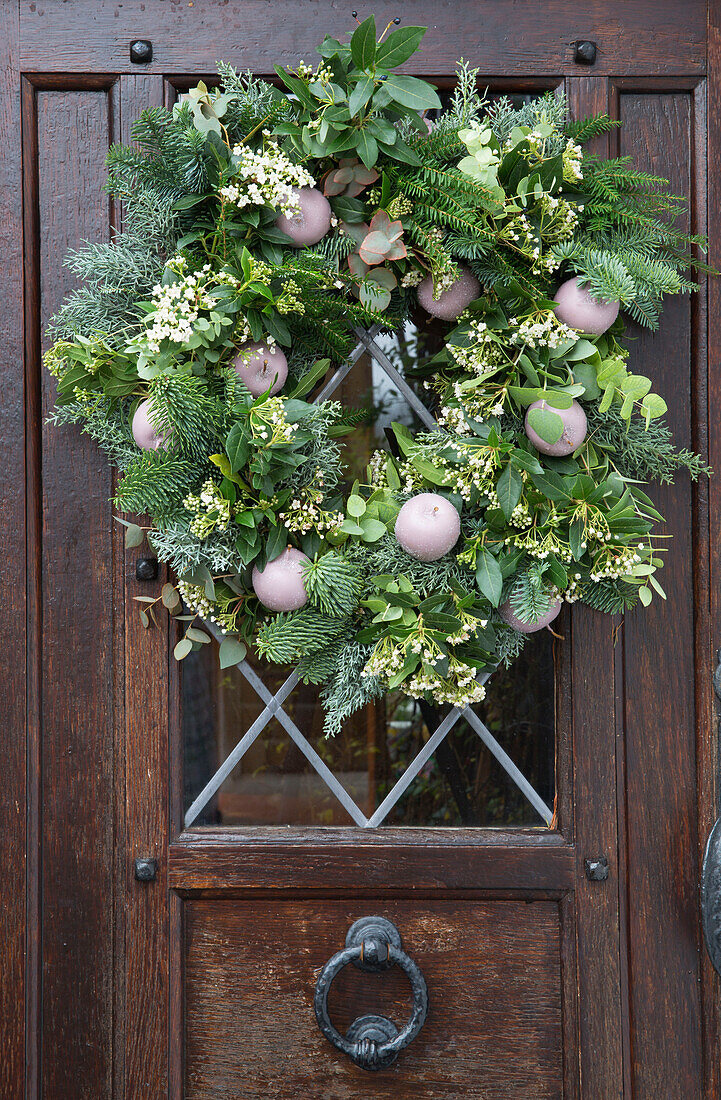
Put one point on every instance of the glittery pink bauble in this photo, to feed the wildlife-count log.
(450, 303)
(261, 368)
(507, 614)
(578, 309)
(279, 586)
(428, 526)
(310, 221)
(575, 430)
(145, 433)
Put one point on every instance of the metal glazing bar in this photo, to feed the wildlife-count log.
(333, 383)
(413, 768)
(240, 749)
(333, 784)
(507, 764)
(383, 361)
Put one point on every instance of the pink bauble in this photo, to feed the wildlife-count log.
(450, 303)
(145, 433)
(578, 309)
(279, 586)
(575, 430)
(427, 526)
(507, 614)
(261, 368)
(310, 221)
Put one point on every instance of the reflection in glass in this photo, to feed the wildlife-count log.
(462, 784)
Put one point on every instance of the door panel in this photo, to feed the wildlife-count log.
(492, 969)
(542, 983)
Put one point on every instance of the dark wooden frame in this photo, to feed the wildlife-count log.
(654, 48)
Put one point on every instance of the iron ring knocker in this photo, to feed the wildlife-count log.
(372, 1042)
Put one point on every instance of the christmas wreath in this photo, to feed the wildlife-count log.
(264, 228)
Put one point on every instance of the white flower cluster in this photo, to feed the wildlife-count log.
(543, 330)
(305, 514)
(454, 420)
(177, 306)
(483, 355)
(210, 509)
(266, 178)
(539, 543)
(269, 424)
(572, 160)
(458, 687)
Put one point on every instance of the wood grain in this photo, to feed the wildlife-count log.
(658, 705)
(13, 582)
(502, 38)
(493, 976)
(75, 565)
(595, 802)
(710, 598)
(384, 861)
(145, 812)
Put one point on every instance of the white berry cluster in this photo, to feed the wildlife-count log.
(609, 565)
(211, 511)
(265, 178)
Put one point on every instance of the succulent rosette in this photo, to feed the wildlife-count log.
(267, 230)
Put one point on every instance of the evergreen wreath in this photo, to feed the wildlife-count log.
(264, 226)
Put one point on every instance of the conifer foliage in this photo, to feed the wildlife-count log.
(263, 226)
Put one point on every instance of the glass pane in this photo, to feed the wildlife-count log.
(462, 784)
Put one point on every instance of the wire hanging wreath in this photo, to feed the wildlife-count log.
(263, 229)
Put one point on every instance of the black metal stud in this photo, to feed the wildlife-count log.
(596, 869)
(145, 869)
(146, 569)
(584, 52)
(141, 51)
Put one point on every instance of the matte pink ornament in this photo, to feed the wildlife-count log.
(508, 615)
(578, 308)
(279, 586)
(450, 303)
(575, 430)
(261, 368)
(145, 433)
(427, 526)
(310, 221)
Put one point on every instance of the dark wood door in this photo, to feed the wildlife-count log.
(542, 981)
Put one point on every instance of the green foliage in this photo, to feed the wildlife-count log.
(288, 637)
(201, 270)
(333, 584)
(348, 691)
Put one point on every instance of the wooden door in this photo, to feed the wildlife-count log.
(545, 978)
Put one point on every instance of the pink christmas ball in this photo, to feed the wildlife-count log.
(279, 586)
(310, 221)
(578, 309)
(145, 433)
(575, 430)
(508, 615)
(427, 526)
(261, 368)
(450, 303)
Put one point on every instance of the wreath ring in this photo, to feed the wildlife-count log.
(263, 229)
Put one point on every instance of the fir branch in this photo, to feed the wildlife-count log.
(333, 584)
